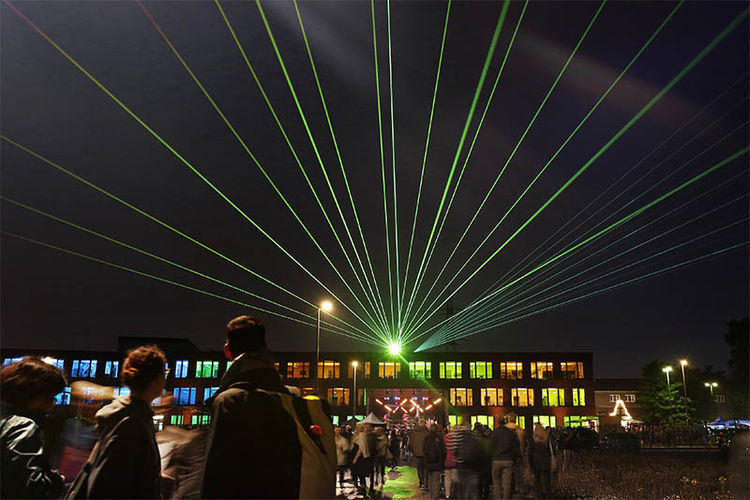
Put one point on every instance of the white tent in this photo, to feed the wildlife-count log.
(372, 419)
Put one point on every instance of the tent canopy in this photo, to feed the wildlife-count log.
(372, 419)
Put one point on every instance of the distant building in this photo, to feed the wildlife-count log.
(617, 400)
(555, 389)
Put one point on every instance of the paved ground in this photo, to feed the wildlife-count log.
(400, 483)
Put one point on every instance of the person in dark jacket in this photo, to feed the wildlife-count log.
(255, 447)
(395, 448)
(506, 449)
(540, 458)
(434, 459)
(28, 390)
(126, 462)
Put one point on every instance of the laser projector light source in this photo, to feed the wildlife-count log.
(394, 348)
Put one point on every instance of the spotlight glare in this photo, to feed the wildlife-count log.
(394, 348)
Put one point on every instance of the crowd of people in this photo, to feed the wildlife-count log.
(265, 440)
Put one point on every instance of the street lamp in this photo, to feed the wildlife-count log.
(711, 387)
(666, 370)
(683, 364)
(325, 306)
(354, 398)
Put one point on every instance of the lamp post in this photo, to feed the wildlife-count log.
(711, 386)
(354, 396)
(666, 370)
(683, 364)
(325, 306)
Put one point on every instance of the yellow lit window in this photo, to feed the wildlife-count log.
(511, 370)
(492, 397)
(389, 369)
(338, 396)
(541, 369)
(298, 369)
(461, 396)
(571, 369)
(579, 397)
(329, 369)
(545, 420)
(553, 397)
(487, 420)
(450, 369)
(522, 396)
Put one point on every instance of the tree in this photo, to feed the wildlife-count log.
(662, 404)
(737, 337)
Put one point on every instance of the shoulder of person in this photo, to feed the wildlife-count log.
(17, 428)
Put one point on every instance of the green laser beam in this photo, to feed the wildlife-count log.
(382, 163)
(182, 159)
(685, 70)
(612, 287)
(511, 156)
(476, 134)
(159, 278)
(474, 313)
(625, 219)
(161, 223)
(426, 148)
(515, 300)
(544, 244)
(162, 259)
(254, 159)
(341, 163)
(298, 105)
(470, 115)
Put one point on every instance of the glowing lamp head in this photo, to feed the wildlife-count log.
(683, 362)
(707, 384)
(355, 364)
(714, 384)
(394, 348)
(326, 305)
(666, 369)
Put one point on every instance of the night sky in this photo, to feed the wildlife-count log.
(50, 299)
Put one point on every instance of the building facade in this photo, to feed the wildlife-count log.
(555, 389)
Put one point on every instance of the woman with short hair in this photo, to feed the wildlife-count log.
(27, 391)
(126, 461)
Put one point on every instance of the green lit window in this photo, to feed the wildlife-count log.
(522, 396)
(492, 397)
(206, 369)
(579, 397)
(450, 369)
(389, 369)
(541, 369)
(200, 420)
(229, 363)
(571, 369)
(553, 397)
(511, 370)
(480, 369)
(579, 421)
(335, 420)
(487, 420)
(338, 396)
(420, 369)
(521, 421)
(452, 420)
(462, 396)
(176, 419)
(545, 420)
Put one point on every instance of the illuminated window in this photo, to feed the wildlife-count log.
(63, 398)
(207, 369)
(338, 396)
(298, 369)
(420, 369)
(571, 369)
(578, 421)
(521, 421)
(8, 361)
(487, 420)
(613, 398)
(176, 419)
(111, 368)
(720, 398)
(121, 391)
(329, 369)
(541, 369)
(450, 369)
(629, 398)
(461, 396)
(276, 366)
(553, 397)
(209, 392)
(183, 395)
(389, 369)
(83, 368)
(511, 370)
(362, 370)
(452, 420)
(522, 396)
(181, 369)
(480, 369)
(56, 362)
(545, 420)
(492, 397)
(229, 363)
(335, 420)
(579, 397)
(200, 420)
